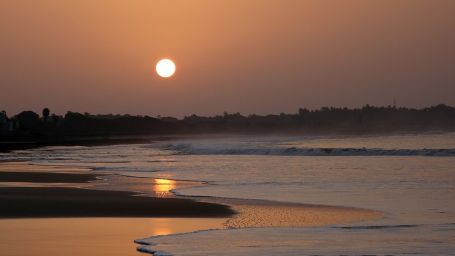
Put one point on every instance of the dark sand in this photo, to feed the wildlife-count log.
(46, 202)
(25, 202)
(65, 220)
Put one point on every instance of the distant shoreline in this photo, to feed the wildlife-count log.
(18, 144)
(28, 129)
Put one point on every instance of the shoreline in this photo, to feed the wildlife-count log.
(25, 143)
(71, 199)
(50, 220)
(89, 236)
(40, 206)
(43, 177)
(44, 201)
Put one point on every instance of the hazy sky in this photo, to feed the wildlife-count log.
(250, 56)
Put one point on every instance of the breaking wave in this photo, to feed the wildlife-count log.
(190, 149)
(379, 227)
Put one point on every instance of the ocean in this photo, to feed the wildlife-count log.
(410, 178)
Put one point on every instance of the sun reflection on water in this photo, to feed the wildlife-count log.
(163, 187)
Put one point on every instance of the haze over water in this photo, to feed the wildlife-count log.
(410, 178)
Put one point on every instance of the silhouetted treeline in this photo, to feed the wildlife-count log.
(28, 125)
(367, 119)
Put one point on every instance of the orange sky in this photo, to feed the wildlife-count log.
(251, 56)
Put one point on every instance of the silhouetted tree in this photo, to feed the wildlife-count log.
(3, 121)
(28, 120)
(367, 119)
(3, 115)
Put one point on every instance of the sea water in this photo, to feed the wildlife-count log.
(410, 178)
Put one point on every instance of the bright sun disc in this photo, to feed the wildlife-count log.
(165, 68)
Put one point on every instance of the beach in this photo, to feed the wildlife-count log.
(51, 209)
(71, 201)
(75, 202)
(232, 196)
(51, 214)
(89, 236)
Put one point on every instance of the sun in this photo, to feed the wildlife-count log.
(165, 68)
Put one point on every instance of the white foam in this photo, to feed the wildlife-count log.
(214, 149)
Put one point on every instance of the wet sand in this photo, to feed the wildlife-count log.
(260, 215)
(47, 219)
(32, 202)
(38, 177)
(40, 219)
(22, 202)
(70, 201)
(18, 166)
(264, 213)
(89, 236)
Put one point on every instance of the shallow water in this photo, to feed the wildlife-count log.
(411, 178)
(309, 241)
(88, 236)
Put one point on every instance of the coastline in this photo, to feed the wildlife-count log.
(53, 214)
(44, 177)
(89, 236)
(73, 200)
(45, 202)
(40, 199)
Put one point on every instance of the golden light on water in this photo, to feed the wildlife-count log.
(163, 187)
(161, 232)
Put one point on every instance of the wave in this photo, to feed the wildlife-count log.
(161, 161)
(146, 244)
(398, 226)
(189, 149)
(381, 226)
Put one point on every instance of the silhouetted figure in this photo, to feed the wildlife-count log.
(46, 113)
